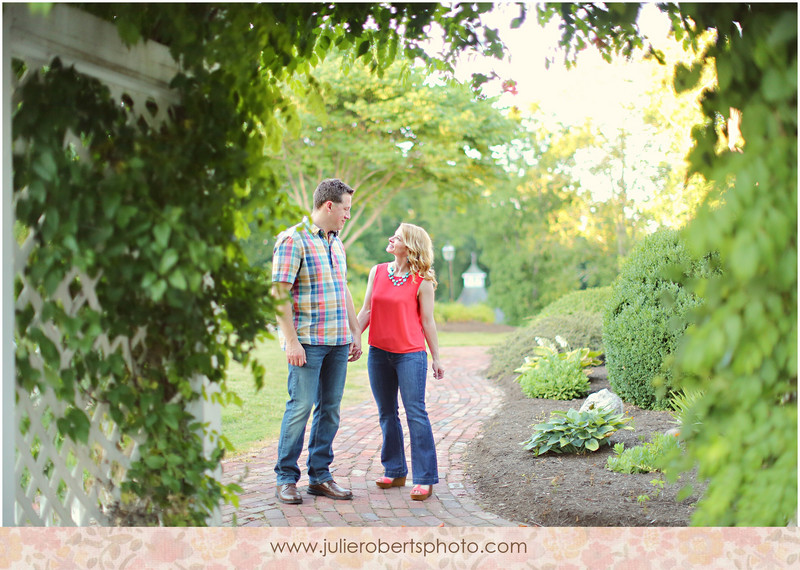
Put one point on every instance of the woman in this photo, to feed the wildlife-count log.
(399, 307)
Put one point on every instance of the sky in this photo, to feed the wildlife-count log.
(593, 89)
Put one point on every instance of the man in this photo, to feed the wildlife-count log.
(319, 332)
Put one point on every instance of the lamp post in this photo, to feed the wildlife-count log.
(449, 253)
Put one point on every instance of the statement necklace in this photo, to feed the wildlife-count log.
(397, 281)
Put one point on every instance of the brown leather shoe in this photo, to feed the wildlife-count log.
(331, 490)
(289, 494)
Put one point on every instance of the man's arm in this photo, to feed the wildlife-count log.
(295, 353)
(352, 320)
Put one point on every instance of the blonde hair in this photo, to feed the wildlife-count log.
(420, 251)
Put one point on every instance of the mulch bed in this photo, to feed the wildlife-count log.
(568, 489)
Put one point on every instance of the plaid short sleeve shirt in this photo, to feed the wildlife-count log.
(317, 270)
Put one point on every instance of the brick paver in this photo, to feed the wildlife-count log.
(457, 405)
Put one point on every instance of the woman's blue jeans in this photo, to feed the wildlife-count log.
(318, 384)
(389, 373)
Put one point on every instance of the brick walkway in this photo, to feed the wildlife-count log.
(457, 405)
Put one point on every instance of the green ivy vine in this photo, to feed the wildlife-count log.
(741, 349)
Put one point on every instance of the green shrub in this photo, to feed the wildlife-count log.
(579, 328)
(458, 313)
(545, 348)
(591, 300)
(554, 377)
(646, 316)
(645, 458)
(573, 431)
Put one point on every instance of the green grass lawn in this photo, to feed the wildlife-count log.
(259, 417)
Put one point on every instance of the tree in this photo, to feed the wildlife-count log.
(529, 230)
(157, 215)
(741, 349)
(402, 133)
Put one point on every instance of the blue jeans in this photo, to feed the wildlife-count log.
(389, 373)
(318, 383)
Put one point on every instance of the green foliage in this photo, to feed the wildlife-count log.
(645, 458)
(154, 217)
(581, 329)
(592, 300)
(682, 405)
(163, 262)
(568, 319)
(741, 349)
(458, 313)
(658, 487)
(553, 376)
(646, 316)
(531, 242)
(574, 432)
(612, 29)
(547, 349)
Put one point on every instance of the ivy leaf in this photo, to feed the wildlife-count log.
(686, 77)
(75, 424)
(45, 166)
(124, 215)
(363, 48)
(162, 232)
(168, 260)
(128, 32)
(177, 280)
(157, 290)
(149, 278)
(154, 461)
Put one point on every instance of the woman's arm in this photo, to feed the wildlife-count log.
(363, 314)
(355, 330)
(429, 326)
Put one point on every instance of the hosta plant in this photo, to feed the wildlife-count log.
(575, 432)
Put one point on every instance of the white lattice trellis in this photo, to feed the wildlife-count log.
(56, 481)
(62, 482)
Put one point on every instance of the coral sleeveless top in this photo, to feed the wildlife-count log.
(395, 324)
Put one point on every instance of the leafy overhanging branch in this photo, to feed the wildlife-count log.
(742, 348)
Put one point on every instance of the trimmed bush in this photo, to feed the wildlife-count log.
(577, 317)
(646, 316)
(578, 329)
(591, 300)
(458, 313)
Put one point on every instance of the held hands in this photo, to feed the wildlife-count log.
(438, 371)
(355, 349)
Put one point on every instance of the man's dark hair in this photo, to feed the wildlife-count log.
(330, 189)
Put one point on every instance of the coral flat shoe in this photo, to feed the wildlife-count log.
(388, 482)
(421, 492)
